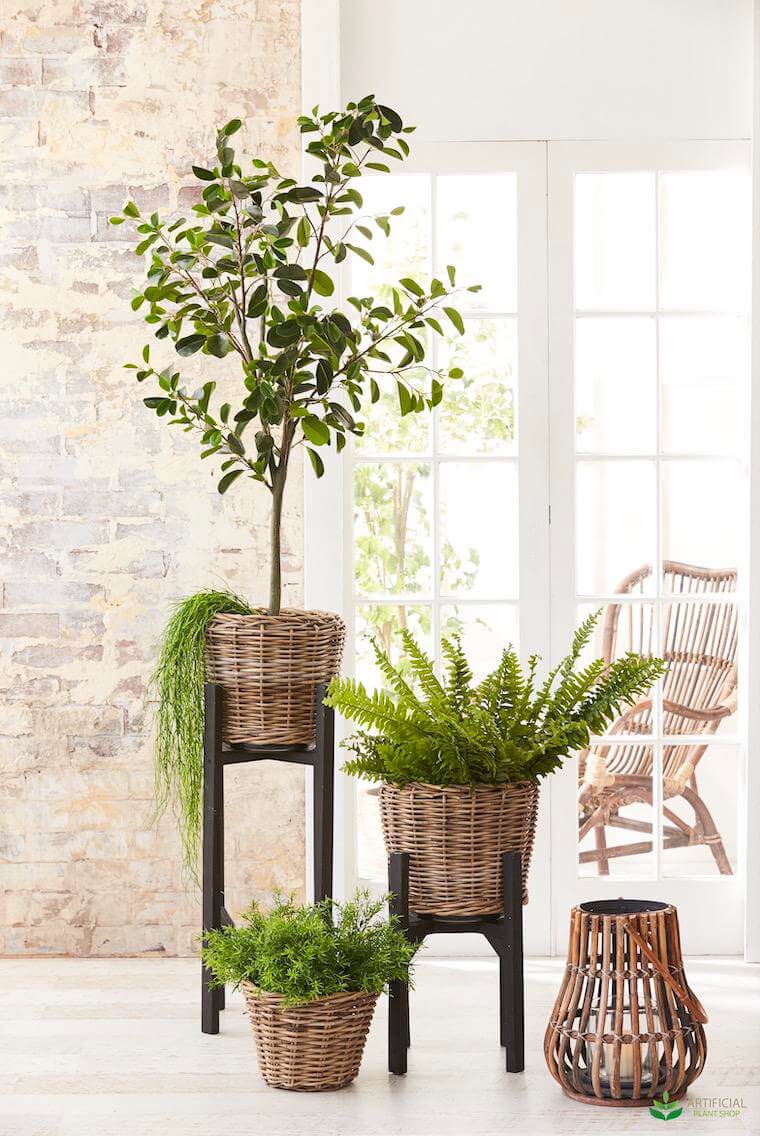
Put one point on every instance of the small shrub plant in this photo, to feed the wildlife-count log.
(308, 952)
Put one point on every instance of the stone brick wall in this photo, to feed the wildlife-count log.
(107, 516)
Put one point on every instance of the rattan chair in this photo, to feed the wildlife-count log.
(699, 643)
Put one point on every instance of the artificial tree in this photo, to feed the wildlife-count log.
(253, 275)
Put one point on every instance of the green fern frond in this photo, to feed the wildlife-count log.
(500, 731)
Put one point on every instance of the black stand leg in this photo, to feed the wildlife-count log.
(398, 1002)
(503, 932)
(511, 990)
(212, 1000)
(215, 756)
(323, 793)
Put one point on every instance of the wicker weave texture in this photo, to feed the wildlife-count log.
(455, 837)
(626, 1026)
(312, 1047)
(269, 666)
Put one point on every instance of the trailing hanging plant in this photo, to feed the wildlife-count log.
(177, 686)
(304, 953)
(251, 275)
(504, 729)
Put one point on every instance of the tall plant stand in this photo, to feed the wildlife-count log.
(216, 755)
(503, 932)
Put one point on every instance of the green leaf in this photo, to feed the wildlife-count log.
(316, 461)
(131, 210)
(303, 232)
(302, 194)
(412, 286)
(315, 431)
(203, 174)
(231, 128)
(323, 284)
(456, 319)
(190, 344)
(218, 345)
(116, 220)
(228, 479)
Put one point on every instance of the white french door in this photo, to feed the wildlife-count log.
(649, 263)
(599, 428)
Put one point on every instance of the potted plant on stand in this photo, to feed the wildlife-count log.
(251, 277)
(459, 763)
(311, 977)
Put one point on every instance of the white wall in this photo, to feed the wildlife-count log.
(556, 69)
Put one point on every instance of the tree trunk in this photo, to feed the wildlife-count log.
(275, 568)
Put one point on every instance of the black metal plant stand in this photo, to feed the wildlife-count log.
(321, 756)
(503, 932)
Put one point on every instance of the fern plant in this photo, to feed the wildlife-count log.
(509, 727)
(303, 953)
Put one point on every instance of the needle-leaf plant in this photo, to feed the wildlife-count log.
(509, 727)
(252, 275)
(309, 952)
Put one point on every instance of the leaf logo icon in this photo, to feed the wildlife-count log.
(665, 1109)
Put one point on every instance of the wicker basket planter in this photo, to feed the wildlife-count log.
(312, 1047)
(269, 666)
(455, 837)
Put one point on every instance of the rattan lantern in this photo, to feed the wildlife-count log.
(626, 1026)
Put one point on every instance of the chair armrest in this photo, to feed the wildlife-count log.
(716, 714)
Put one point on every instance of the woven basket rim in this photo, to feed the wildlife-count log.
(286, 615)
(460, 790)
(273, 997)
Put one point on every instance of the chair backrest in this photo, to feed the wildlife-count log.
(699, 643)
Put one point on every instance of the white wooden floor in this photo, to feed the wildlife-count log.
(98, 1047)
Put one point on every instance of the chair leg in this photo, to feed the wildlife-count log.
(709, 834)
(601, 847)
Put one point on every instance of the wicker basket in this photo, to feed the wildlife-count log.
(455, 837)
(312, 1047)
(269, 666)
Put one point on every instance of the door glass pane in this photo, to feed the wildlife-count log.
(382, 622)
(700, 644)
(619, 842)
(615, 244)
(477, 232)
(701, 512)
(699, 793)
(703, 364)
(485, 630)
(478, 518)
(616, 385)
(393, 550)
(478, 412)
(615, 523)
(704, 250)
(407, 251)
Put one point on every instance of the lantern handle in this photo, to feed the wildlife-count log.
(689, 999)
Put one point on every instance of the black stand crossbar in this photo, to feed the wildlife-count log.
(503, 932)
(320, 756)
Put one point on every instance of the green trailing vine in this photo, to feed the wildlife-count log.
(507, 728)
(177, 687)
(309, 952)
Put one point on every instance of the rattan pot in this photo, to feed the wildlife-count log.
(269, 666)
(455, 836)
(312, 1047)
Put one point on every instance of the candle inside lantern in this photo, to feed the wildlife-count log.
(604, 1025)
